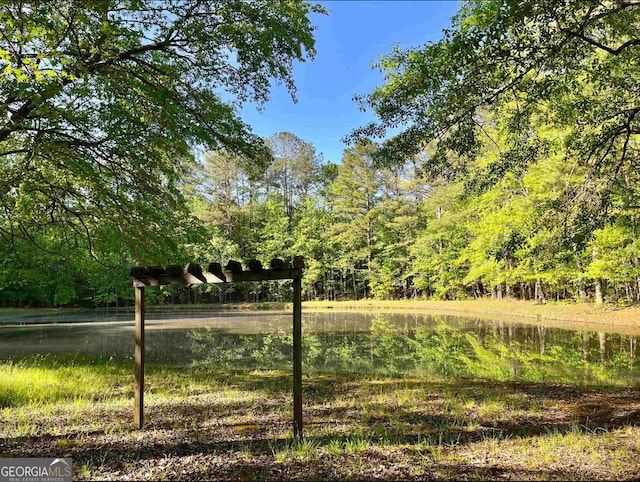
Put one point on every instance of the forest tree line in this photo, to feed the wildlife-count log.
(368, 232)
(503, 161)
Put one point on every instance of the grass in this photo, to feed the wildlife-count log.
(206, 423)
(42, 380)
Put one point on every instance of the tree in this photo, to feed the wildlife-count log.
(614, 259)
(579, 58)
(225, 190)
(399, 220)
(310, 227)
(355, 205)
(102, 104)
(294, 170)
(437, 248)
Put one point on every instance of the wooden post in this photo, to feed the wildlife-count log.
(138, 410)
(297, 358)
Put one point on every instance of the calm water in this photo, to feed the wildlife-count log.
(378, 344)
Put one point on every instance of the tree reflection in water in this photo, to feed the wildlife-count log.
(434, 346)
(390, 344)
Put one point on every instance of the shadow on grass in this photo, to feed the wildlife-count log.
(587, 408)
(342, 411)
(228, 459)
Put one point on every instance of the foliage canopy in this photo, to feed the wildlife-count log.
(572, 65)
(102, 104)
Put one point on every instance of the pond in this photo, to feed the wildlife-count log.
(389, 344)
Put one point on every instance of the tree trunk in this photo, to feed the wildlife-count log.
(539, 294)
(598, 281)
(355, 287)
(507, 286)
(599, 297)
(582, 291)
(344, 283)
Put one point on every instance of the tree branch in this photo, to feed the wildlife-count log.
(595, 43)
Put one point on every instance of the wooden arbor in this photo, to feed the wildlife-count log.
(233, 273)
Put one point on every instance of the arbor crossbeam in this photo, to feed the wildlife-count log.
(193, 274)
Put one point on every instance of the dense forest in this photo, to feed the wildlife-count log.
(368, 232)
(516, 175)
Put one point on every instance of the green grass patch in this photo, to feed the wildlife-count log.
(53, 379)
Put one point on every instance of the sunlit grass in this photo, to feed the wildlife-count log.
(46, 379)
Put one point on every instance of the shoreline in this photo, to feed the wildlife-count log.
(606, 316)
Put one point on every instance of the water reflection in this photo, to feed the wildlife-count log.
(389, 344)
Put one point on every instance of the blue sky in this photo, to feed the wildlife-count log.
(348, 41)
